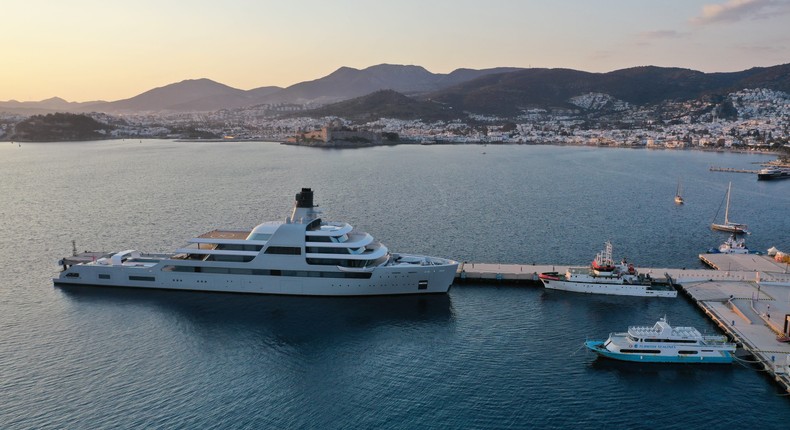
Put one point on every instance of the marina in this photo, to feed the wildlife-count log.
(487, 354)
(746, 295)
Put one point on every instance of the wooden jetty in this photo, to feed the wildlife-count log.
(731, 170)
(746, 295)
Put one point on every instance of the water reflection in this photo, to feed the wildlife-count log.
(293, 318)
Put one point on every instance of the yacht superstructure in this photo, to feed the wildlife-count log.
(302, 255)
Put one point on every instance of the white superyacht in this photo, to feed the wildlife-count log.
(302, 255)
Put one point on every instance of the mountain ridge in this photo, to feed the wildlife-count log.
(499, 91)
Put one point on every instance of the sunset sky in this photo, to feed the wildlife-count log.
(84, 50)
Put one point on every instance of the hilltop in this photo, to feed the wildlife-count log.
(382, 104)
(59, 127)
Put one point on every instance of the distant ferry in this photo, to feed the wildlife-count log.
(663, 343)
(604, 276)
(770, 173)
(302, 255)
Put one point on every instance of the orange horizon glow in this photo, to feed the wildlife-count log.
(85, 50)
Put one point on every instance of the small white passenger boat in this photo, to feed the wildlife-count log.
(663, 343)
(732, 245)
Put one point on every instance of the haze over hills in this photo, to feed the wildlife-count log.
(502, 91)
(346, 83)
(189, 95)
(207, 95)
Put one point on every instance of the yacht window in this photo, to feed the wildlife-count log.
(640, 351)
(261, 236)
(284, 250)
(231, 258)
(104, 276)
(234, 247)
(317, 250)
(267, 272)
(687, 352)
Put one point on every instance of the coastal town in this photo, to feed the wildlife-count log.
(752, 119)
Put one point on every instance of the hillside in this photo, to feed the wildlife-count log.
(59, 127)
(503, 91)
(507, 94)
(347, 83)
(382, 104)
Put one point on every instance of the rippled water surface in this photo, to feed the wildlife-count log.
(481, 357)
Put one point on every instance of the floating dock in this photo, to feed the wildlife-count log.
(731, 170)
(746, 295)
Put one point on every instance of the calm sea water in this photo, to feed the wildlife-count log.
(480, 357)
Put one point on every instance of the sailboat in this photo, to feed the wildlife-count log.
(728, 225)
(678, 197)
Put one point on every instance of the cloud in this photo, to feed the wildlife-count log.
(739, 10)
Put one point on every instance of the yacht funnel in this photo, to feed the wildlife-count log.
(304, 199)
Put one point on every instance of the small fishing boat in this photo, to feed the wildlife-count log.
(663, 343)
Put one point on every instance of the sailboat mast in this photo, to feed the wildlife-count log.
(727, 208)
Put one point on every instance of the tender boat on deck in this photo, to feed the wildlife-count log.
(663, 343)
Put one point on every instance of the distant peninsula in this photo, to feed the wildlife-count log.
(59, 127)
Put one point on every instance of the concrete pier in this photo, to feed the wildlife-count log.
(747, 296)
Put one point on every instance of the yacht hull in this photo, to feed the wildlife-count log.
(597, 346)
(383, 281)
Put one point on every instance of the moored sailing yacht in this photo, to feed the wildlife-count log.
(302, 255)
(678, 197)
(604, 276)
(663, 343)
(728, 225)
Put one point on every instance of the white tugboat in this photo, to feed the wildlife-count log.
(302, 255)
(604, 276)
(663, 343)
